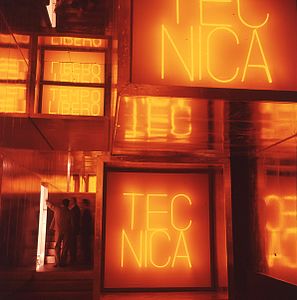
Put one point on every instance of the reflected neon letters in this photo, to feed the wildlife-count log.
(157, 119)
(282, 230)
(144, 244)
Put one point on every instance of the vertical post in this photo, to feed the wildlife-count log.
(42, 227)
(68, 171)
(98, 231)
(243, 198)
(32, 74)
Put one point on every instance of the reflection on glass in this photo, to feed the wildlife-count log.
(13, 72)
(65, 100)
(70, 66)
(186, 124)
(278, 191)
(281, 226)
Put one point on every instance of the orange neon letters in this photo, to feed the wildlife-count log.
(143, 248)
(158, 119)
(282, 231)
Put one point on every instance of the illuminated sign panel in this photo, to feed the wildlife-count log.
(72, 75)
(65, 100)
(12, 64)
(73, 42)
(281, 227)
(74, 66)
(8, 39)
(278, 122)
(157, 230)
(13, 73)
(215, 43)
(181, 122)
(12, 98)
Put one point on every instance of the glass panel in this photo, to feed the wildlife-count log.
(63, 100)
(13, 98)
(77, 65)
(187, 125)
(70, 66)
(14, 60)
(278, 192)
(157, 230)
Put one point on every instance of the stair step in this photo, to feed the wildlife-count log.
(50, 252)
(50, 245)
(50, 259)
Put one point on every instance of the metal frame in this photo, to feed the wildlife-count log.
(211, 172)
(25, 82)
(107, 70)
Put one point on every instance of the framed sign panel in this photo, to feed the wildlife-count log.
(14, 62)
(147, 123)
(157, 230)
(72, 75)
(246, 44)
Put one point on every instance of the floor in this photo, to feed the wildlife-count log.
(75, 283)
(167, 296)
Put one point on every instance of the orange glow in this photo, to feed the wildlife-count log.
(190, 71)
(201, 10)
(208, 55)
(12, 64)
(264, 65)
(65, 100)
(281, 229)
(245, 22)
(73, 66)
(278, 121)
(156, 119)
(157, 230)
(73, 42)
(13, 98)
(215, 43)
(8, 39)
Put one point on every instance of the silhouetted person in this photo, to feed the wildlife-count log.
(62, 227)
(86, 232)
(75, 228)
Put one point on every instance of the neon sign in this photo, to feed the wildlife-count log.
(148, 237)
(279, 121)
(162, 120)
(77, 65)
(282, 231)
(73, 42)
(280, 227)
(9, 38)
(157, 230)
(74, 67)
(215, 43)
(12, 98)
(73, 100)
(12, 65)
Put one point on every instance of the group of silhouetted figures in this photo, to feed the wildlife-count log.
(69, 223)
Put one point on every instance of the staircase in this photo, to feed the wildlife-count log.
(50, 248)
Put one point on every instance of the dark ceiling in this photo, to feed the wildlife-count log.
(73, 16)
